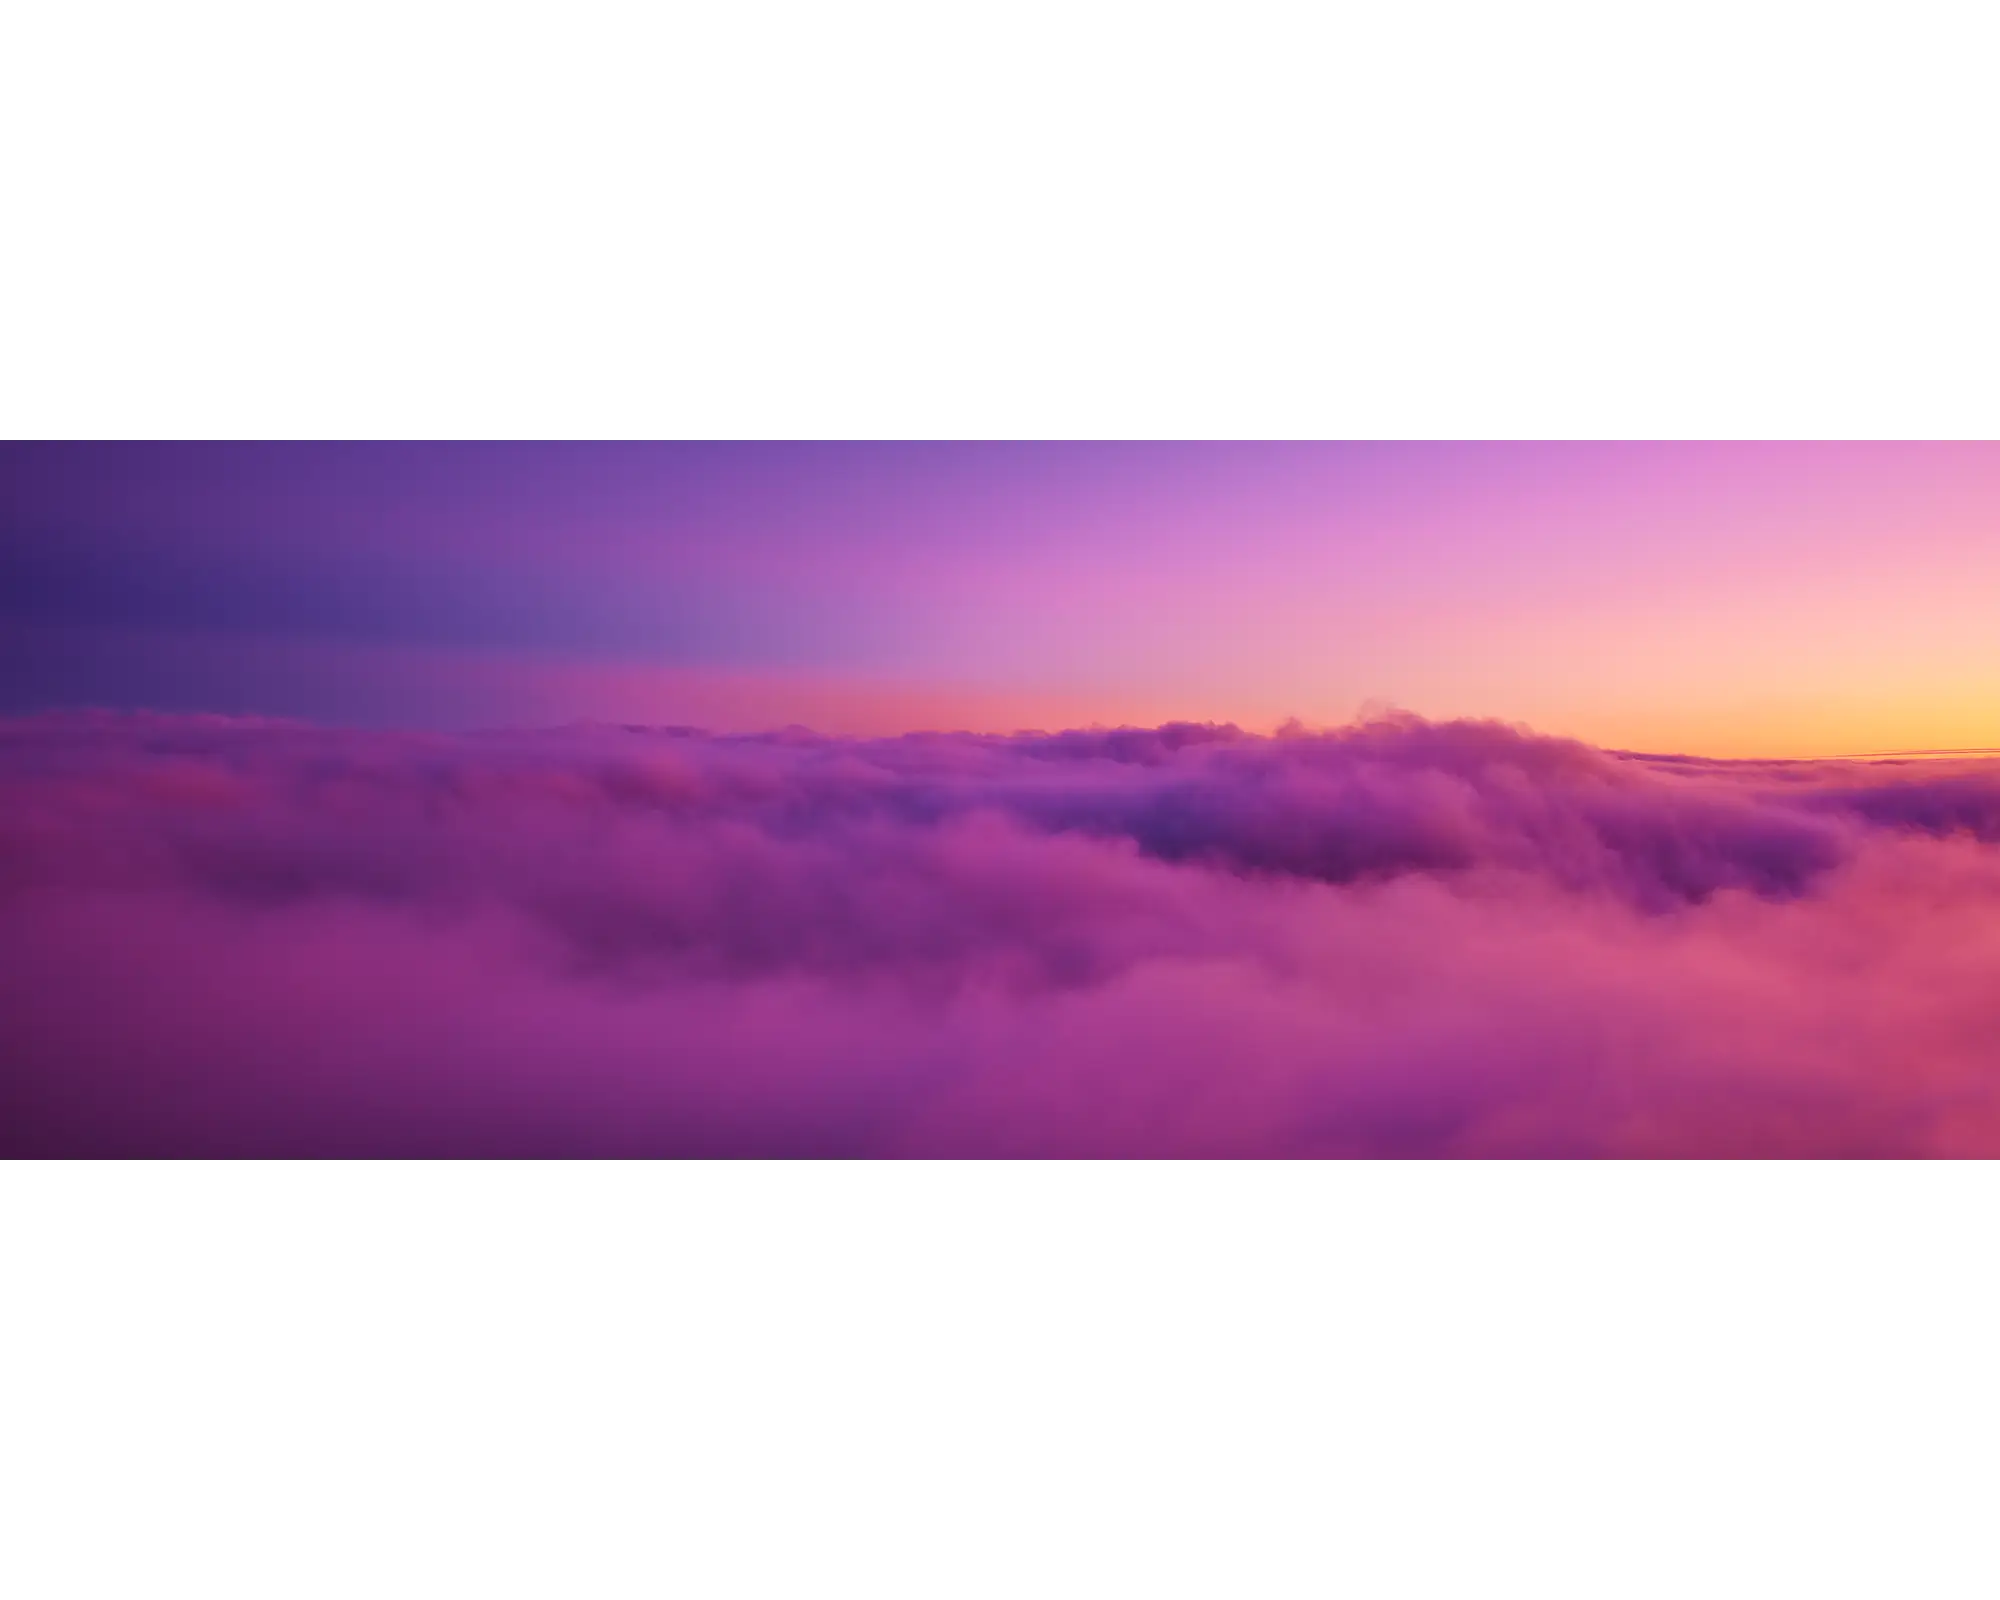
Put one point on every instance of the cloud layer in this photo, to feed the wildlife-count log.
(1401, 938)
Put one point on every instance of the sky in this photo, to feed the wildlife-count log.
(1718, 599)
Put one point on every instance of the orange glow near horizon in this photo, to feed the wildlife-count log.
(1785, 600)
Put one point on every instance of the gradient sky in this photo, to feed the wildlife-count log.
(1726, 599)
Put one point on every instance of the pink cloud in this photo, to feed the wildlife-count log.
(1400, 938)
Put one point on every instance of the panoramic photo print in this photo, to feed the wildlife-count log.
(999, 800)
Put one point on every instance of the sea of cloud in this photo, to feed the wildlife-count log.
(1400, 938)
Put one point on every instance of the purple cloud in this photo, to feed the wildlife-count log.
(239, 938)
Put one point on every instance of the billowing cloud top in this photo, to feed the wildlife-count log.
(227, 937)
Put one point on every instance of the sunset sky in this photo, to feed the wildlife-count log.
(448, 800)
(1723, 599)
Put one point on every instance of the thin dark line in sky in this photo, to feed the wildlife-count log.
(1886, 755)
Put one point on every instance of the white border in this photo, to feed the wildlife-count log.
(1069, 1379)
(1041, 220)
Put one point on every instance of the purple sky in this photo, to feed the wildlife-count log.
(1789, 599)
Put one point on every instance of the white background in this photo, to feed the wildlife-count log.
(1002, 1379)
(1050, 218)
(1041, 220)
